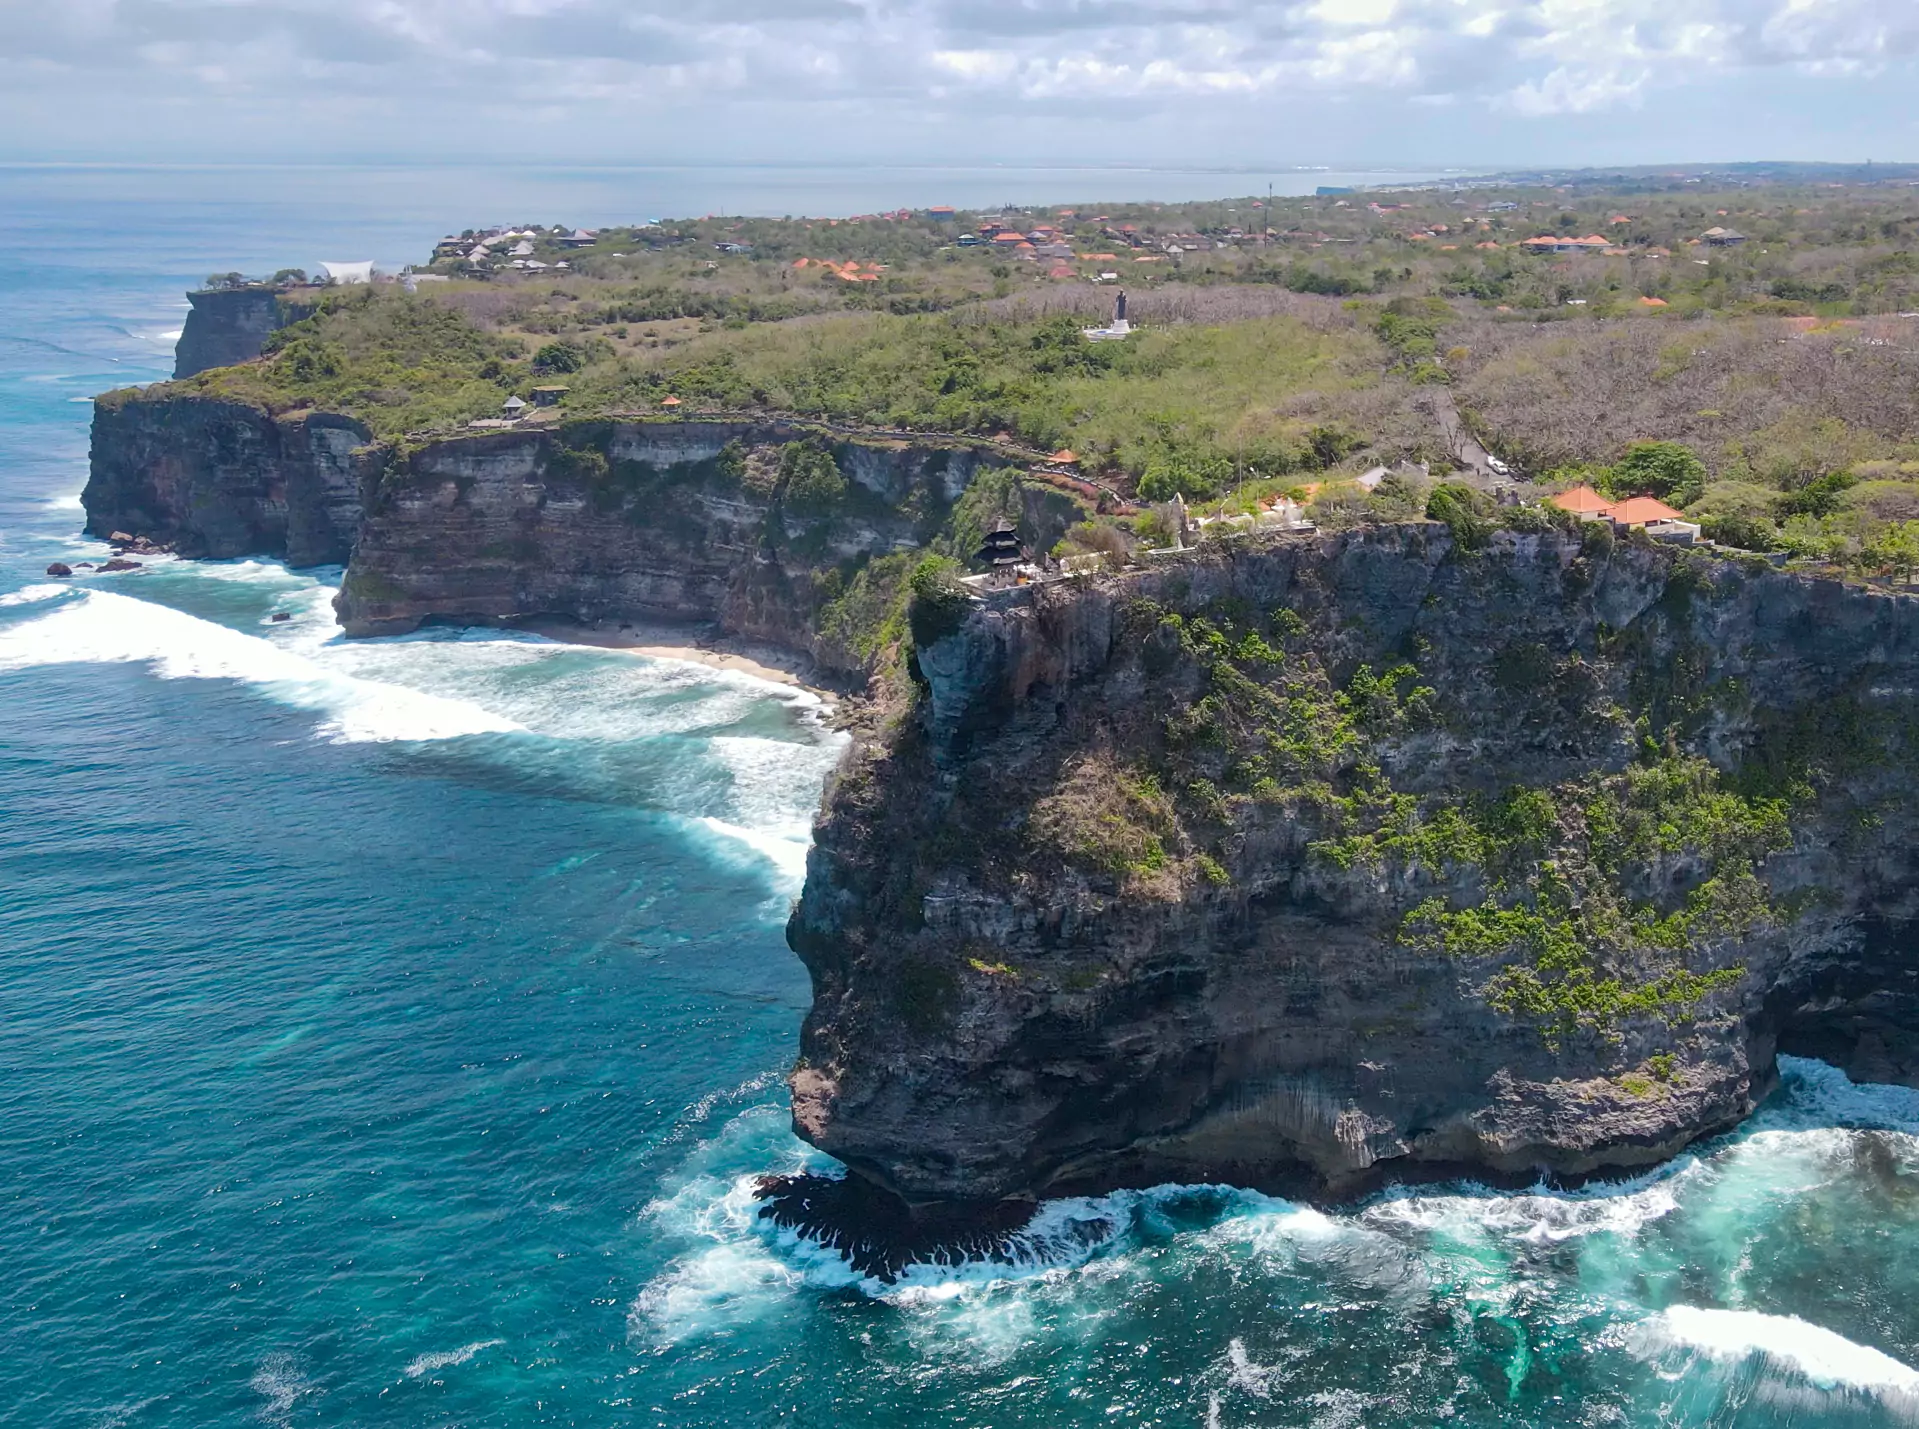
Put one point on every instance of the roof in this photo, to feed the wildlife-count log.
(1638, 510)
(669, 401)
(1065, 456)
(1580, 499)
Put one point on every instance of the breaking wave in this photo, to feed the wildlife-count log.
(101, 627)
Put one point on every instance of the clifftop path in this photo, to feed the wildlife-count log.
(1363, 856)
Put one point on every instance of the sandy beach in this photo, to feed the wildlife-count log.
(668, 642)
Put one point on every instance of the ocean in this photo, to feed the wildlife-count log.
(391, 1031)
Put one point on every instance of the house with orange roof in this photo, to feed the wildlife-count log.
(1647, 513)
(1549, 243)
(1650, 302)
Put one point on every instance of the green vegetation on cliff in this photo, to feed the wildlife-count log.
(1624, 891)
(399, 364)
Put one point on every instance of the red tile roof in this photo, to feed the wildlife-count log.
(1634, 511)
(1638, 510)
(1580, 499)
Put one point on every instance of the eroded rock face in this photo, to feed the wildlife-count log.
(228, 326)
(217, 479)
(604, 521)
(1181, 876)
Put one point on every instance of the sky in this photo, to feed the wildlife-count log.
(1349, 83)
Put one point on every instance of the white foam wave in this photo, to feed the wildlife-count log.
(1822, 1356)
(103, 628)
(280, 1380)
(733, 1280)
(1540, 1216)
(1815, 1094)
(70, 502)
(446, 1359)
(33, 594)
(786, 854)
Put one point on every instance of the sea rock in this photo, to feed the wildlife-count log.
(281, 615)
(1145, 888)
(120, 563)
(59, 568)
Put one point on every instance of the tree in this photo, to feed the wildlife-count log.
(1671, 471)
(559, 357)
(1463, 509)
(813, 479)
(1895, 550)
(1749, 533)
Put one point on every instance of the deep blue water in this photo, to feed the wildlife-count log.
(389, 1031)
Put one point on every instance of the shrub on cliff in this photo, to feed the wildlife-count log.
(812, 478)
(1465, 512)
(936, 602)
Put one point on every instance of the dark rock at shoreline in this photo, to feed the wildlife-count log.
(59, 568)
(879, 1234)
(120, 563)
(280, 615)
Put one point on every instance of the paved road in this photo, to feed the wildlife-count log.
(1465, 448)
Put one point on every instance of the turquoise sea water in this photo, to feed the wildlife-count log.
(390, 1031)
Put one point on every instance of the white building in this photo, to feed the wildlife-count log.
(348, 272)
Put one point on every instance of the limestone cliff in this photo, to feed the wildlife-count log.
(229, 325)
(217, 478)
(1360, 856)
(775, 532)
(713, 522)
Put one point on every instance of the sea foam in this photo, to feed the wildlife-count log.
(101, 627)
(1825, 1358)
(445, 1359)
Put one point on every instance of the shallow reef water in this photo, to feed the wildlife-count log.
(394, 1033)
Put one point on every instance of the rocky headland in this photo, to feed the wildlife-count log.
(1343, 858)
(1302, 862)
(229, 325)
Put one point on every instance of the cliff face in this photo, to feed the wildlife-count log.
(215, 478)
(769, 531)
(1361, 856)
(605, 520)
(227, 326)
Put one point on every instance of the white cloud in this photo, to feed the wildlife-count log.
(675, 58)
